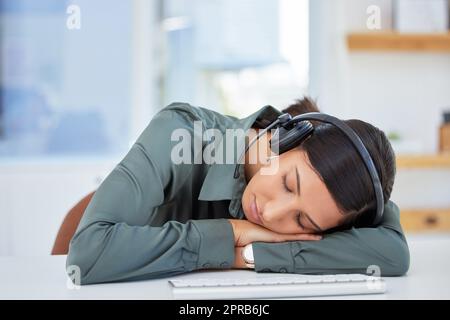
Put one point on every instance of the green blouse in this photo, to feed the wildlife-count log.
(153, 218)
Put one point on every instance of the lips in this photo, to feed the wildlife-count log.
(254, 210)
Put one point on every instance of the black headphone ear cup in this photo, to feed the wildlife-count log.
(284, 140)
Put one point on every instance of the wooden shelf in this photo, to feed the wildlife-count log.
(423, 161)
(393, 41)
(419, 220)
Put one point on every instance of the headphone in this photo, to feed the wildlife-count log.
(292, 131)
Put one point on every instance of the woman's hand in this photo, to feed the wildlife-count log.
(246, 232)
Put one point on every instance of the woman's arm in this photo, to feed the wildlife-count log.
(114, 241)
(350, 251)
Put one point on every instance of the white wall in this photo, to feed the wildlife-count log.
(412, 89)
(35, 196)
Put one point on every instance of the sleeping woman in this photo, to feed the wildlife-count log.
(155, 216)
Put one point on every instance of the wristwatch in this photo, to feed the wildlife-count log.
(247, 256)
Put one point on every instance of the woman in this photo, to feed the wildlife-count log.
(156, 216)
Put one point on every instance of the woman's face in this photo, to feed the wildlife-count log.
(293, 200)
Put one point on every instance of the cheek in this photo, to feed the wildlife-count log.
(256, 185)
(284, 226)
(265, 182)
(250, 190)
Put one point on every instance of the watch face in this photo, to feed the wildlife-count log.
(248, 254)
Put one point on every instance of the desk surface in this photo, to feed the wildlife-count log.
(45, 278)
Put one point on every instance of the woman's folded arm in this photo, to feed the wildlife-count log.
(105, 251)
(349, 251)
(116, 240)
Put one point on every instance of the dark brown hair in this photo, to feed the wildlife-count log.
(336, 161)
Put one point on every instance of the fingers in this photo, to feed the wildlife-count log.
(247, 232)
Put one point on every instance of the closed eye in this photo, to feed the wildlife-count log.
(285, 184)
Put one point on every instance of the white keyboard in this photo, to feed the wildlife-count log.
(293, 285)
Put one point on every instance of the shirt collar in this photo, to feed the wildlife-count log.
(219, 183)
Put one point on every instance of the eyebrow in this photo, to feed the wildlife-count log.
(298, 181)
(304, 213)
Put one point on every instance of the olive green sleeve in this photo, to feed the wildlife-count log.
(349, 251)
(114, 241)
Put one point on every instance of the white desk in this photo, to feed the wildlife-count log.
(45, 278)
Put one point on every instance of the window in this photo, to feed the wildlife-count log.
(64, 91)
(69, 91)
(235, 56)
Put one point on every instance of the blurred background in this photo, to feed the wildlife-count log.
(80, 79)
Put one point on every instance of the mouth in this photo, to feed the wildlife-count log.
(255, 212)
